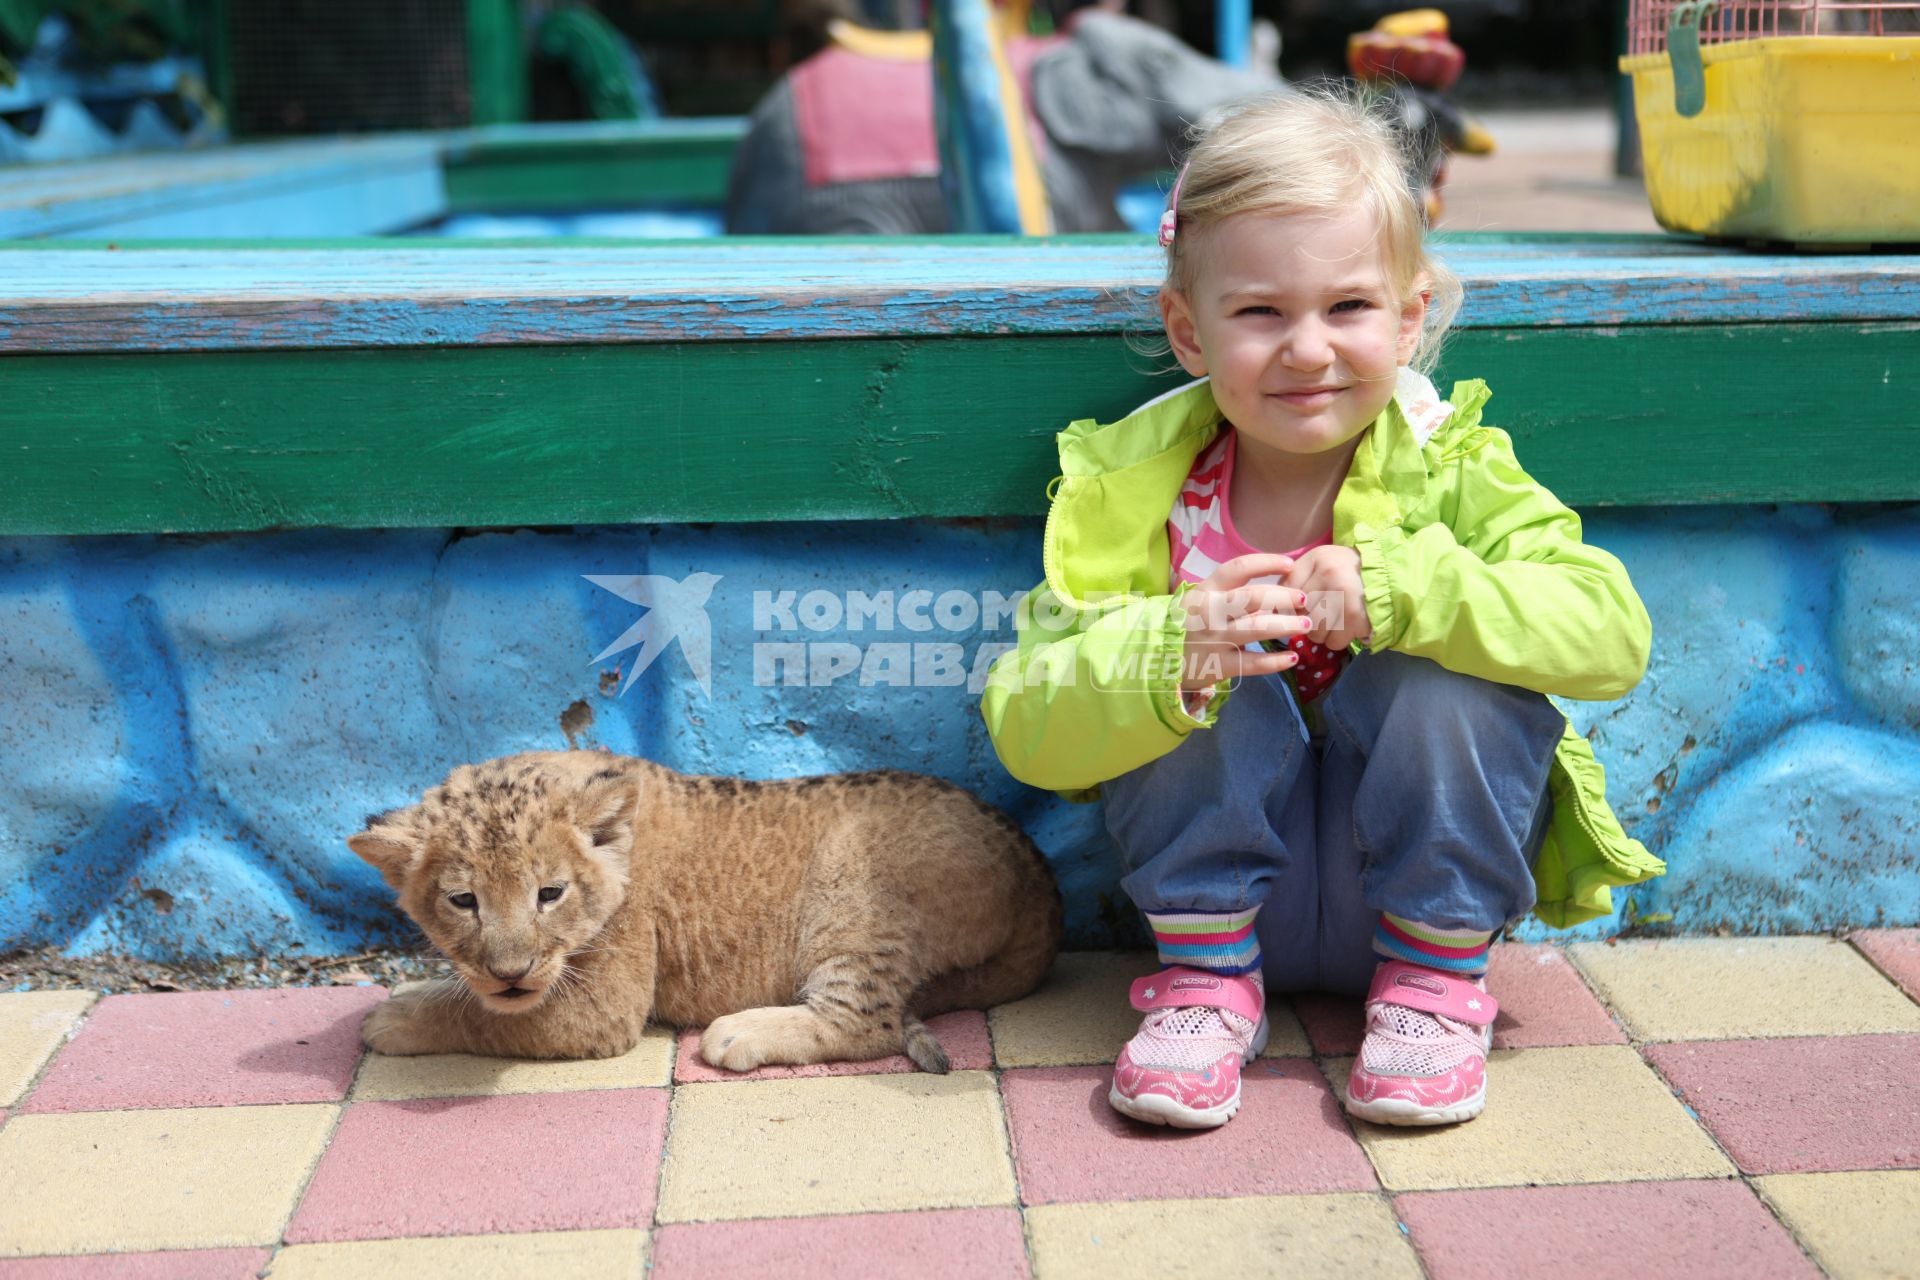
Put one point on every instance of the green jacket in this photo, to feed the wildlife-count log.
(1464, 560)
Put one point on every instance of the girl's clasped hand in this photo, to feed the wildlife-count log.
(1268, 598)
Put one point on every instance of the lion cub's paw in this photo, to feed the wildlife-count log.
(756, 1037)
(405, 1023)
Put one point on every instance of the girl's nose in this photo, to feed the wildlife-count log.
(1306, 347)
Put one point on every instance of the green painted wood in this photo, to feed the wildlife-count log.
(496, 62)
(950, 427)
(601, 67)
(591, 168)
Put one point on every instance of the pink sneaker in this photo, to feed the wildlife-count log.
(1424, 1060)
(1182, 1068)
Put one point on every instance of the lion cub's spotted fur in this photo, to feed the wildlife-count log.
(799, 921)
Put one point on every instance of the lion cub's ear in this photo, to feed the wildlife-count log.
(605, 811)
(392, 843)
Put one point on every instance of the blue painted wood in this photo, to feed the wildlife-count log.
(209, 299)
(1233, 31)
(362, 186)
(464, 144)
(976, 162)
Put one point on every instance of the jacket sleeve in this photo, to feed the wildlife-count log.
(1089, 695)
(1502, 587)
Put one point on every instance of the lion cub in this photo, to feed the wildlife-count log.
(579, 894)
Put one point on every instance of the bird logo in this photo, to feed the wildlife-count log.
(674, 610)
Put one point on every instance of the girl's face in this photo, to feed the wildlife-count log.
(1293, 316)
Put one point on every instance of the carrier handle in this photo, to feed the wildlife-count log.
(1683, 54)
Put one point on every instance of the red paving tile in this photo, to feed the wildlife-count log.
(949, 1244)
(210, 1049)
(963, 1035)
(1543, 1004)
(471, 1166)
(1896, 952)
(1678, 1229)
(1069, 1145)
(176, 1264)
(1806, 1105)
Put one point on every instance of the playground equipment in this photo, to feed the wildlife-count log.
(92, 79)
(1788, 120)
(846, 144)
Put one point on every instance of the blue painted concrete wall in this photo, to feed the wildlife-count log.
(193, 725)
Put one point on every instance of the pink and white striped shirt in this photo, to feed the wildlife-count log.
(1201, 536)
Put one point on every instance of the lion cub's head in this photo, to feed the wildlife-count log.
(513, 866)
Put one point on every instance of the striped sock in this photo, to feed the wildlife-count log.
(1217, 942)
(1461, 951)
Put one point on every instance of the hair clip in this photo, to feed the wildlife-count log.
(1170, 220)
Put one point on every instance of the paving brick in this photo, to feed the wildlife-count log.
(1680, 1231)
(171, 1264)
(210, 1049)
(474, 1166)
(1804, 1105)
(134, 1180)
(597, 1254)
(452, 1075)
(1586, 1113)
(963, 1035)
(1857, 1225)
(940, 1244)
(1543, 1004)
(1721, 988)
(1896, 953)
(32, 1025)
(1278, 1236)
(1082, 1016)
(851, 1144)
(1070, 1145)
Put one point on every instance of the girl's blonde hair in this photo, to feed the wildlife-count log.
(1314, 150)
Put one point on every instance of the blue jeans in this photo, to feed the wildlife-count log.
(1427, 797)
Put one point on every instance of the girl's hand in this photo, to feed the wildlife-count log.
(1229, 611)
(1336, 602)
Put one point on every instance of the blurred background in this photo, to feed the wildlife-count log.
(1530, 92)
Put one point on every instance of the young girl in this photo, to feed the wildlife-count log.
(1299, 626)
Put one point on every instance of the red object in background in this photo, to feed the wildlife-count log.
(1429, 61)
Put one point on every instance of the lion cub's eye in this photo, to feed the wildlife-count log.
(464, 901)
(552, 892)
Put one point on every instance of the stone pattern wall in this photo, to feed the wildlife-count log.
(194, 725)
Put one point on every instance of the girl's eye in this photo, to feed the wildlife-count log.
(1351, 304)
(552, 892)
(1256, 311)
(464, 901)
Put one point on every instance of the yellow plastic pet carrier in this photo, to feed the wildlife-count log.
(1787, 120)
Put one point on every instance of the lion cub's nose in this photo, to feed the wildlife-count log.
(515, 976)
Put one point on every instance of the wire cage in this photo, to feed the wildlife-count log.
(354, 66)
(1647, 20)
(1780, 120)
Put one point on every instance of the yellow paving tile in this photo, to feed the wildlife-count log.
(32, 1025)
(588, 1255)
(1856, 1225)
(128, 1180)
(1082, 1016)
(848, 1144)
(452, 1075)
(1595, 1113)
(1286, 1236)
(1738, 988)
